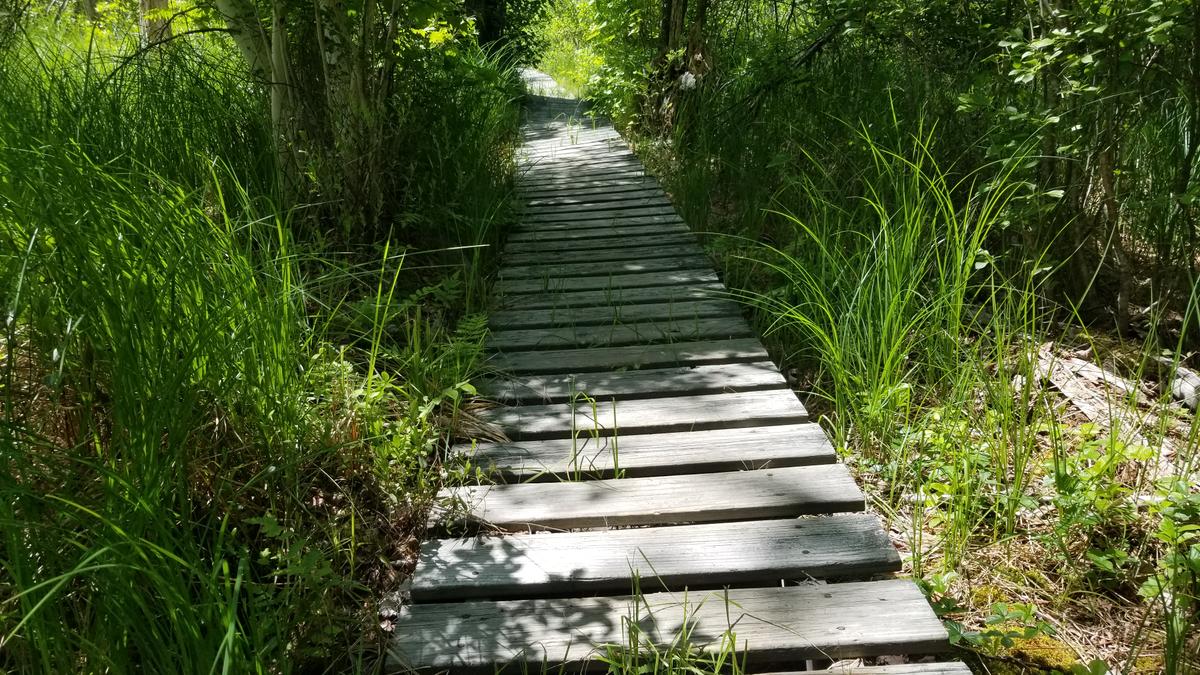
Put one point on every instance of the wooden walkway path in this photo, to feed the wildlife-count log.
(650, 437)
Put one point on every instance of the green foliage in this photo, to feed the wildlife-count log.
(218, 433)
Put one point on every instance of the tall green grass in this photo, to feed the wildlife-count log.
(218, 436)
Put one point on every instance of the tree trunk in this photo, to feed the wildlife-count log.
(153, 19)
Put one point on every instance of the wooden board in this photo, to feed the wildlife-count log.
(776, 625)
(588, 206)
(615, 335)
(534, 220)
(634, 227)
(949, 668)
(608, 268)
(638, 356)
(540, 176)
(615, 297)
(623, 385)
(600, 283)
(647, 242)
(637, 455)
(712, 497)
(595, 198)
(684, 245)
(597, 157)
(659, 415)
(664, 558)
(569, 189)
(613, 314)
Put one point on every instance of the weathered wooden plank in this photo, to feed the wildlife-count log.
(564, 131)
(947, 668)
(631, 227)
(711, 497)
(612, 314)
(775, 625)
(574, 253)
(664, 558)
(597, 177)
(533, 172)
(534, 219)
(577, 159)
(598, 197)
(643, 332)
(658, 415)
(570, 188)
(614, 297)
(647, 242)
(595, 141)
(598, 283)
(603, 269)
(608, 223)
(626, 384)
(637, 455)
(616, 204)
(638, 356)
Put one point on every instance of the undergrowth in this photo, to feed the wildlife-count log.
(219, 435)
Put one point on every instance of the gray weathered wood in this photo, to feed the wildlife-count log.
(612, 314)
(533, 219)
(637, 356)
(683, 245)
(542, 176)
(595, 143)
(949, 668)
(603, 269)
(608, 223)
(614, 297)
(630, 227)
(599, 197)
(627, 384)
(615, 335)
(665, 558)
(600, 283)
(708, 498)
(567, 158)
(658, 415)
(551, 249)
(638, 455)
(572, 189)
(776, 625)
(589, 206)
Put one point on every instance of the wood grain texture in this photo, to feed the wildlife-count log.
(783, 492)
(573, 189)
(683, 247)
(536, 220)
(596, 197)
(628, 384)
(664, 558)
(626, 244)
(777, 626)
(547, 284)
(658, 225)
(614, 297)
(949, 668)
(621, 334)
(603, 269)
(638, 455)
(610, 315)
(542, 176)
(590, 206)
(629, 358)
(607, 417)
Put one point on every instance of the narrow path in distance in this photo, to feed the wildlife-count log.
(651, 441)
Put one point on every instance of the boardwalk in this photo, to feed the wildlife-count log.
(651, 441)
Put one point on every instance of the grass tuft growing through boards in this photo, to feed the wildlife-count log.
(218, 438)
